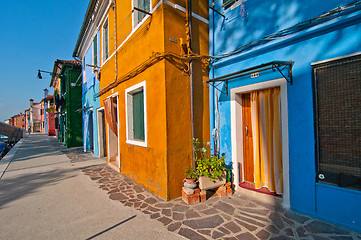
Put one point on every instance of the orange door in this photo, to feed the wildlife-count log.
(247, 139)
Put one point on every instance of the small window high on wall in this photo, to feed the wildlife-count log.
(137, 15)
(228, 3)
(95, 50)
(337, 99)
(105, 40)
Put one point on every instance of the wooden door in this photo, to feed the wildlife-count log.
(247, 139)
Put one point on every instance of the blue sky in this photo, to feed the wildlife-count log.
(33, 35)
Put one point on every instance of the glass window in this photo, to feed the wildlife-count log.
(137, 15)
(105, 40)
(136, 114)
(95, 50)
(228, 3)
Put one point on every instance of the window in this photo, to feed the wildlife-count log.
(136, 119)
(105, 41)
(228, 3)
(84, 71)
(137, 15)
(337, 91)
(95, 50)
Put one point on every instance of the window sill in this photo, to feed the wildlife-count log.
(137, 142)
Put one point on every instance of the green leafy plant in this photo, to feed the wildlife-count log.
(191, 173)
(212, 166)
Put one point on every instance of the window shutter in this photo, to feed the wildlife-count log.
(138, 115)
(337, 86)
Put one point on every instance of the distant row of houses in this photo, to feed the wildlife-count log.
(39, 117)
(272, 85)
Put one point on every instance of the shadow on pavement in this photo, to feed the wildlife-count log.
(12, 189)
(110, 228)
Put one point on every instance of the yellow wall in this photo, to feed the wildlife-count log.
(160, 166)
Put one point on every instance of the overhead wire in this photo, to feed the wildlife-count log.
(328, 16)
(156, 57)
(206, 59)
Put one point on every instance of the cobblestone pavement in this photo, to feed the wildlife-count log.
(234, 217)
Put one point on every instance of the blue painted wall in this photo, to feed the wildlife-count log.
(331, 39)
(90, 101)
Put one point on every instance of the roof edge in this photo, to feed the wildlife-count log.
(83, 27)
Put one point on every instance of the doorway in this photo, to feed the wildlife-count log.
(111, 115)
(262, 145)
(259, 123)
(102, 142)
(91, 131)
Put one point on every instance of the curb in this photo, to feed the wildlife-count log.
(4, 163)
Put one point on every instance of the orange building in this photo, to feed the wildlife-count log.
(18, 120)
(146, 86)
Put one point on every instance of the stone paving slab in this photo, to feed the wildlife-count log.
(234, 217)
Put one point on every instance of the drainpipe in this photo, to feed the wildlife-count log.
(213, 92)
(191, 77)
(115, 38)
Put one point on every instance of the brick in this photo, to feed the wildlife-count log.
(221, 191)
(190, 199)
(203, 196)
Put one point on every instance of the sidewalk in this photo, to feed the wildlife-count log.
(52, 192)
(236, 217)
(45, 195)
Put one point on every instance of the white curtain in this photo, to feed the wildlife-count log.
(267, 142)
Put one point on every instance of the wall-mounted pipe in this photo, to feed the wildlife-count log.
(191, 78)
(115, 39)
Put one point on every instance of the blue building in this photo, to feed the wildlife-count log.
(87, 50)
(90, 99)
(285, 102)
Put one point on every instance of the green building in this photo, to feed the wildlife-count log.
(67, 84)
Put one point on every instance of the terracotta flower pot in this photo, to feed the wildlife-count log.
(190, 183)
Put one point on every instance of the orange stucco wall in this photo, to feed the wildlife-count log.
(161, 164)
(179, 148)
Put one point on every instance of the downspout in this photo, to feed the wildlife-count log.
(213, 97)
(115, 39)
(191, 82)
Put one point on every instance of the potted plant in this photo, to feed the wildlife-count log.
(211, 170)
(191, 177)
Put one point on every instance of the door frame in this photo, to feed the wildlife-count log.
(116, 96)
(101, 137)
(237, 132)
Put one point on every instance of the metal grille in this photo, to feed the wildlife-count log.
(337, 88)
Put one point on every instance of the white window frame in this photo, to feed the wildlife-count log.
(104, 59)
(95, 45)
(129, 114)
(135, 13)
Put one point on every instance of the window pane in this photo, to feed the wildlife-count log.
(144, 5)
(138, 115)
(228, 3)
(95, 50)
(105, 41)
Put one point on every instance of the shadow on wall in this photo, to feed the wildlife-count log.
(232, 32)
